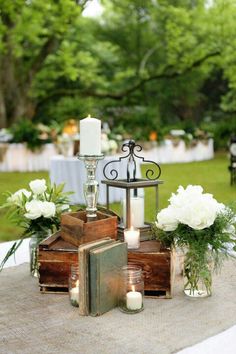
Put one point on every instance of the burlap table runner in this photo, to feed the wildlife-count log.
(33, 323)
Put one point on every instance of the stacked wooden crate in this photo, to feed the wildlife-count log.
(59, 251)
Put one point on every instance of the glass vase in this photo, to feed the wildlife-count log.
(35, 239)
(197, 274)
(131, 289)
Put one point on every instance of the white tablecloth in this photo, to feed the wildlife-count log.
(168, 153)
(18, 158)
(72, 172)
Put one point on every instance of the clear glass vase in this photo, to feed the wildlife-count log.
(36, 238)
(197, 274)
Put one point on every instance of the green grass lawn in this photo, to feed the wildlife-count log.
(213, 175)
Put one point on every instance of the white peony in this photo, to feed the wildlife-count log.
(17, 197)
(34, 209)
(184, 196)
(38, 186)
(190, 207)
(199, 213)
(48, 209)
(167, 219)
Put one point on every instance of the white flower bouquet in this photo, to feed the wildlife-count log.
(197, 222)
(36, 210)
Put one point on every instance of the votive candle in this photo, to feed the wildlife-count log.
(132, 237)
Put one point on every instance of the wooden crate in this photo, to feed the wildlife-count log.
(158, 268)
(55, 259)
(76, 230)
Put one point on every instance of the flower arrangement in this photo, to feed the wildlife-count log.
(36, 210)
(205, 228)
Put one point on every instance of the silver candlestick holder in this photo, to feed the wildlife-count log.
(91, 186)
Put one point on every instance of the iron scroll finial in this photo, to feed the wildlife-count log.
(131, 149)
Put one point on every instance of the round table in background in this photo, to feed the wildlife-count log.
(72, 172)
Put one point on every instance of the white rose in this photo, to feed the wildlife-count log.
(167, 219)
(34, 209)
(38, 186)
(16, 198)
(48, 209)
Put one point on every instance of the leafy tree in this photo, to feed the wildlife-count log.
(30, 33)
(143, 61)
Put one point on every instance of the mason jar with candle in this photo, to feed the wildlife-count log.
(131, 289)
(74, 285)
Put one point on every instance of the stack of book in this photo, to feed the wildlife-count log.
(99, 266)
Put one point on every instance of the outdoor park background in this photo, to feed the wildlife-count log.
(141, 66)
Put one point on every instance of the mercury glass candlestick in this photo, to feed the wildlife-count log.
(91, 186)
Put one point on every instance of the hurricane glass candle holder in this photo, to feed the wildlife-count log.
(74, 285)
(131, 289)
(132, 237)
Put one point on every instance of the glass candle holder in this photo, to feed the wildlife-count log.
(131, 289)
(132, 237)
(74, 285)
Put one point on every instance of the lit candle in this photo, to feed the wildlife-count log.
(136, 210)
(134, 300)
(132, 237)
(90, 136)
(74, 295)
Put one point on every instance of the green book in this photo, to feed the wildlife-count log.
(105, 265)
(84, 272)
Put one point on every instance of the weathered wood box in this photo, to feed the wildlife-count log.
(55, 259)
(158, 268)
(76, 230)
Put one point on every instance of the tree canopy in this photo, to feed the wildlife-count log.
(143, 63)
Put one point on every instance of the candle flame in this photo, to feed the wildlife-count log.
(133, 287)
(89, 116)
(77, 283)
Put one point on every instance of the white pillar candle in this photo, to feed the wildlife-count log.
(90, 136)
(134, 300)
(74, 294)
(136, 210)
(132, 237)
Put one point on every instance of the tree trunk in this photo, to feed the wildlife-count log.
(3, 116)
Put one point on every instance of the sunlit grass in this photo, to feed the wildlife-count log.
(213, 175)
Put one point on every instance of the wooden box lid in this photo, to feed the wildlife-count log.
(56, 243)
